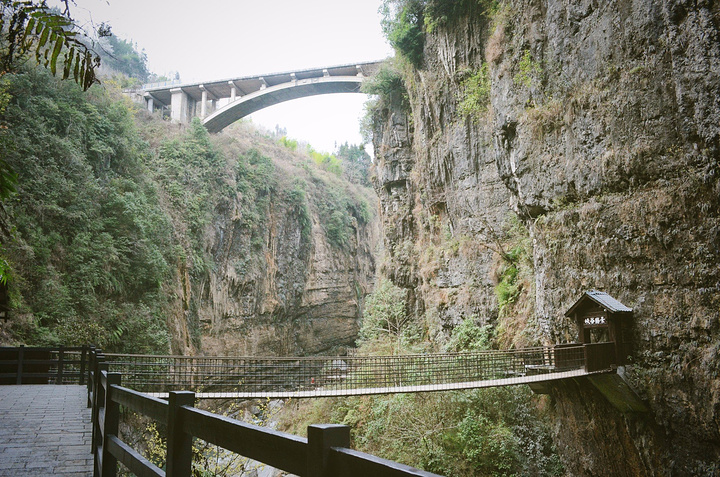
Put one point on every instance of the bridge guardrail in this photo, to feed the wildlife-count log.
(324, 452)
(44, 365)
(352, 374)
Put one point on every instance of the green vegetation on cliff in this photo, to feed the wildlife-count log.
(123, 57)
(108, 239)
(493, 432)
(406, 22)
(611, 169)
(90, 244)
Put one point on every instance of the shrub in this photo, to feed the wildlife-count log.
(336, 227)
(468, 336)
(403, 26)
(326, 161)
(440, 12)
(475, 93)
(291, 144)
(386, 83)
(389, 89)
(529, 72)
(297, 200)
(385, 318)
(339, 208)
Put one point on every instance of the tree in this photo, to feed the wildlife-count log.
(27, 26)
(385, 317)
(356, 162)
(403, 25)
(124, 57)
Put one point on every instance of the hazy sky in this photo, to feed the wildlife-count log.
(216, 39)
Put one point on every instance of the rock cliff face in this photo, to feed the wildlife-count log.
(295, 298)
(279, 284)
(603, 136)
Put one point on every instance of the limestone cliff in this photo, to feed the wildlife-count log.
(279, 279)
(602, 134)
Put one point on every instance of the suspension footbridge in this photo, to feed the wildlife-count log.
(164, 389)
(311, 377)
(292, 377)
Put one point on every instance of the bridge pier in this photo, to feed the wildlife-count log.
(233, 91)
(179, 106)
(203, 102)
(204, 97)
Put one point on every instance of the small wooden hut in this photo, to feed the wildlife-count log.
(601, 318)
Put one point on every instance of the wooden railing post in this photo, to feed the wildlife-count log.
(21, 351)
(112, 421)
(179, 444)
(83, 356)
(90, 371)
(61, 353)
(321, 437)
(98, 397)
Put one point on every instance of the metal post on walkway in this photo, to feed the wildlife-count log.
(83, 356)
(90, 369)
(96, 396)
(61, 356)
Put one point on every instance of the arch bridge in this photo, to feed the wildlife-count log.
(220, 103)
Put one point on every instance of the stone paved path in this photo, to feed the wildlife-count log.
(44, 430)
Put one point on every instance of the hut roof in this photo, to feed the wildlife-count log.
(602, 299)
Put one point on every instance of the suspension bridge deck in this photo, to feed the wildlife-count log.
(318, 393)
(312, 377)
(45, 430)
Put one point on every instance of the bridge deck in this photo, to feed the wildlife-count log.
(319, 392)
(325, 376)
(45, 430)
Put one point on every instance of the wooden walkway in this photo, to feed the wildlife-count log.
(45, 430)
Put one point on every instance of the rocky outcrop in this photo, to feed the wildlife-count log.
(603, 136)
(443, 201)
(294, 298)
(277, 284)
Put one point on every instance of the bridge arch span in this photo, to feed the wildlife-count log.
(272, 95)
(219, 103)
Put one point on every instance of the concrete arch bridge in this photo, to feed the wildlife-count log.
(220, 103)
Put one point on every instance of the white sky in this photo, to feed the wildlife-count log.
(215, 39)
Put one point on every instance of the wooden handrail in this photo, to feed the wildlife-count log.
(277, 449)
(149, 406)
(352, 463)
(324, 452)
(36, 365)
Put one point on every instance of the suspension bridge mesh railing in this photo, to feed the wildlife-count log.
(348, 375)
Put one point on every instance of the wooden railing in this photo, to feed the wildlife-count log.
(325, 452)
(59, 365)
(600, 356)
